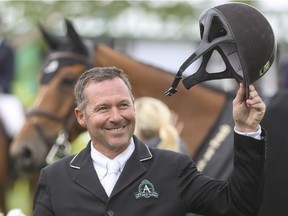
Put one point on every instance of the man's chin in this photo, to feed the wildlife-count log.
(119, 143)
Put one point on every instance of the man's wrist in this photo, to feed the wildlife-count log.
(255, 135)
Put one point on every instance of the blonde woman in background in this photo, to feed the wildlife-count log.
(157, 126)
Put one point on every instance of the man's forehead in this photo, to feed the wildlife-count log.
(107, 87)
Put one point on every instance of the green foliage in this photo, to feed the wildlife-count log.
(20, 197)
(29, 13)
(28, 61)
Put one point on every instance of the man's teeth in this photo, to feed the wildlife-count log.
(116, 129)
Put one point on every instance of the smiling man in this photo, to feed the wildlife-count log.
(147, 181)
(107, 112)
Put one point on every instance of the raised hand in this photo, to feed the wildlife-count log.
(248, 114)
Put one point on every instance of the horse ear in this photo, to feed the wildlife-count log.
(52, 41)
(75, 38)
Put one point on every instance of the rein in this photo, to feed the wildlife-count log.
(38, 112)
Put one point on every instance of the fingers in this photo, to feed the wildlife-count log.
(252, 91)
(254, 99)
(255, 102)
(253, 96)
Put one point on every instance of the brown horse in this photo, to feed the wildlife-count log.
(51, 122)
(4, 175)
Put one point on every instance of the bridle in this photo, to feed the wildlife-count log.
(61, 146)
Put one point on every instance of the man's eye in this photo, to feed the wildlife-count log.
(124, 105)
(102, 109)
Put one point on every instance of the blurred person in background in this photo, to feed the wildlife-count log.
(157, 126)
(9, 103)
(7, 66)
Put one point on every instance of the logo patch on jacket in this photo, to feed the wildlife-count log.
(146, 190)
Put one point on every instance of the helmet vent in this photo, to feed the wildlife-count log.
(216, 30)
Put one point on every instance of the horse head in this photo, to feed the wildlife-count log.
(51, 123)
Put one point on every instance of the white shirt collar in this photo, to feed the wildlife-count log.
(100, 160)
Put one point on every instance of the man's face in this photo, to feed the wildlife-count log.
(109, 115)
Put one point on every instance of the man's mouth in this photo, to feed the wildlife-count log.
(116, 129)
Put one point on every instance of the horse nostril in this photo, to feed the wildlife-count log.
(26, 153)
(21, 161)
(22, 158)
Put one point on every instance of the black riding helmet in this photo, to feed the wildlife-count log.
(241, 35)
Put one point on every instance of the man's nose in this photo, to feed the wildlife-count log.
(115, 114)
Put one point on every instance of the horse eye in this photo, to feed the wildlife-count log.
(68, 81)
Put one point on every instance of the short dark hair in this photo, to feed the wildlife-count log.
(97, 74)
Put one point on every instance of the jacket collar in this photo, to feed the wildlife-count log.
(141, 150)
(82, 162)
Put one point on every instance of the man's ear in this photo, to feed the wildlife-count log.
(80, 117)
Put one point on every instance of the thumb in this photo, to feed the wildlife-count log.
(240, 94)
